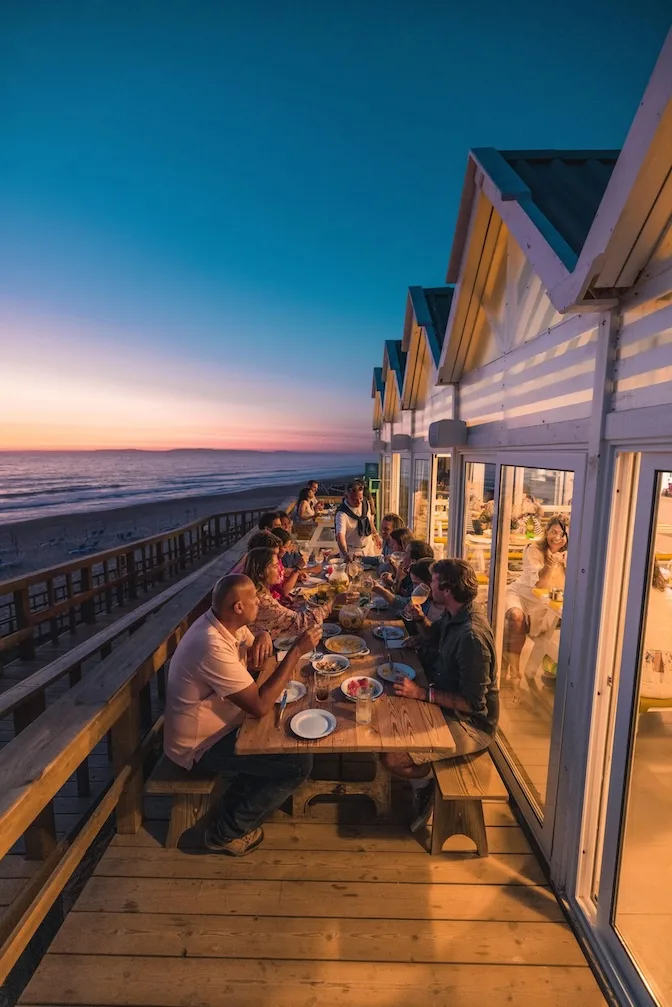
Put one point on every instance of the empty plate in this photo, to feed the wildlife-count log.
(330, 629)
(390, 675)
(389, 632)
(295, 690)
(313, 724)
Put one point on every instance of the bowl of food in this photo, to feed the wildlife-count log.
(331, 664)
(351, 687)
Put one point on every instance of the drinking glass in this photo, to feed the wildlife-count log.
(364, 706)
(321, 686)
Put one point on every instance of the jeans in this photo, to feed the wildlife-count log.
(260, 785)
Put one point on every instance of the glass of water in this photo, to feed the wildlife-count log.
(364, 706)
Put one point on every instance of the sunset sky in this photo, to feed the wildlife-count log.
(210, 212)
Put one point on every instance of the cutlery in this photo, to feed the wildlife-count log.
(283, 704)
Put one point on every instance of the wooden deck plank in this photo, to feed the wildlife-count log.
(309, 836)
(296, 865)
(319, 898)
(325, 939)
(160, 982)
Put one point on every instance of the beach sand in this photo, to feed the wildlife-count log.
(45, 542)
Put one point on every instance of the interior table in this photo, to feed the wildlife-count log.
(397, 725)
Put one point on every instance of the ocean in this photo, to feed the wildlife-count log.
(47, 483)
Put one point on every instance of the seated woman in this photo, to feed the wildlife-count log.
(421, 607)
(544, 562)
(402, 587)
(305, 506)
(277, 541)
(398, 539)
(262, 566)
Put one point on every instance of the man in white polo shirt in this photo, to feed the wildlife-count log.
(208, 693)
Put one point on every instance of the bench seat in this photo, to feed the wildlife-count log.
(191, 792)
(461, 786)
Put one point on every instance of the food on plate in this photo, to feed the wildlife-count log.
(357, 684)
(329, 665)
(345, 645)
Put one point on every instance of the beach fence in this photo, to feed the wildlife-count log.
(40, 607)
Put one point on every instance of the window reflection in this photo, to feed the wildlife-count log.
(534, 516)
(420, 498)
(387, 462)
(643, 909)
(478, 516)
(441, 497)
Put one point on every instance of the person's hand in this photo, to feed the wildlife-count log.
(379, 589)
(387, 578)
(412, 611)
(309, 639)
(328, 606)
(409, 690)
(302, 578)
(378, 542)
(261, 650)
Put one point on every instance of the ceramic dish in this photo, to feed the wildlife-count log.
(330, 664)
(405, 670)
(350, 687)
(348, 645)
(295, 690)
(313, 724)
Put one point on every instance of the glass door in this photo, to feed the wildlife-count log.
(386, 470)
(404, 488)
(440, 505)
(420, 498)
(633, 890)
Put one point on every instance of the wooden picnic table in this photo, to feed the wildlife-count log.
(397, 725)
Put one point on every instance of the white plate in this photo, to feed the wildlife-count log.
(389, 633)
(378, 604)
(330, 629)
(343, 663)
(313, 724)
(284, 642)
(312, 581)
(295, 690)
(354, 644)
(383, 671)
(376, 687)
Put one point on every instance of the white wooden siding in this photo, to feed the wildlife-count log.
(643, 365)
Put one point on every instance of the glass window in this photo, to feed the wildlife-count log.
(440, 515)
(479, 508)
(532, 541)
(643, 905)
(386, 468)
(404, 488)
(421, 498)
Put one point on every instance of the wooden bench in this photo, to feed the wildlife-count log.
(461, 786)
(191, 792)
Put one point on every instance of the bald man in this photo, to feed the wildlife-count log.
(209, 691)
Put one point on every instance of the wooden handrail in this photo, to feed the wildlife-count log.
(121, 571)
(38, 762)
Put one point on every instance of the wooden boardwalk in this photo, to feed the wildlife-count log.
(325, 912)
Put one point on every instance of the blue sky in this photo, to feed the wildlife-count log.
(216, 208)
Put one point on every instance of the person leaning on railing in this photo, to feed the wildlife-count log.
(262, 566)
(209, 690)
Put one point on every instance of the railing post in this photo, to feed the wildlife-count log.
(160, 573)
(218, 531)
(40, 837)
(22, 614)
(131, 574)
(125, 744)
(83, 782)
(51, 601)
(182, 549)
(72, 619)
(108, 590)
(89, 605)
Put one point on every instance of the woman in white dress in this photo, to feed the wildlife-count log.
(544, 562)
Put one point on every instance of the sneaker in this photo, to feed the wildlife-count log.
(423, 805)
(233, 847)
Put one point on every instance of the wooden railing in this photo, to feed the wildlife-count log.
(51, 748)
(40, 606)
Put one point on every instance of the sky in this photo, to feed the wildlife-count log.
(210, 212)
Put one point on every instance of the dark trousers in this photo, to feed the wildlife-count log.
(260, 784)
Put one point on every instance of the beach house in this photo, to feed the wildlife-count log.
(536, 383)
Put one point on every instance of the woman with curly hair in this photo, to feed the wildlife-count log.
(262, 566)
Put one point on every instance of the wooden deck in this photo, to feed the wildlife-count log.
(325, 912)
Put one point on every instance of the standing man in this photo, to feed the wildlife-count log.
(354, 525)
(462, 673)
(209, 692)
